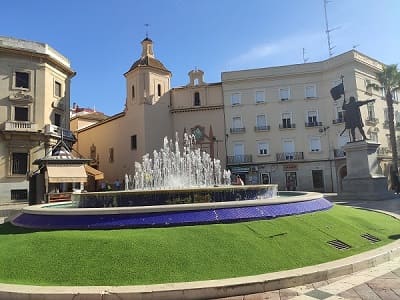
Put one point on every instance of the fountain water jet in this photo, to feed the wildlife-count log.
(172, 189)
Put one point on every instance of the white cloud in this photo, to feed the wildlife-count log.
(282, 47)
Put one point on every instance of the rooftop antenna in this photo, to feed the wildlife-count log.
(147, 30)
(304, 56)
(328, 31)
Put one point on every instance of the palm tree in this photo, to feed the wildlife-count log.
(389, 83)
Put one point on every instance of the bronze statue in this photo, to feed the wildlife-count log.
(352, 116)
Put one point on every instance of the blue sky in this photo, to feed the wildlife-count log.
(102, 38)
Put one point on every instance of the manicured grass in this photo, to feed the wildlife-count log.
(160, 255)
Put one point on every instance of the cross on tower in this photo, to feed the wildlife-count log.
(147, 30)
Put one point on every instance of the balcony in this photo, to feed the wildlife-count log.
(23, 126)
(383, 151)
(289, 156)
(313, 124)
(287, 126)
(338, 121)
(57, 131)
(371, 121)
(240, 159)
(339, 153)
(262, 128)
(238, 130)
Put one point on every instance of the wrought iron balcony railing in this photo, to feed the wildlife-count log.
(287, 126)
(338, 121)
(289, 156)
(238, 130)
(262, 128)
(313, 124)
(239, 159)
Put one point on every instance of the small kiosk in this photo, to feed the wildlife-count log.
(58, 175)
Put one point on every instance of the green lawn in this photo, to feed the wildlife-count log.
(189, 253)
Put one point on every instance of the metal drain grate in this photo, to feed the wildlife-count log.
(371, 238)
(339, 245)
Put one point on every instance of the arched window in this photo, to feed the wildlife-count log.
(133, 91)
(196, 99)
(159, 90)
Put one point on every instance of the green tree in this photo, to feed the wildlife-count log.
(389, 83)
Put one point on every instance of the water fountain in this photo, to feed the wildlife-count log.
(172, 188)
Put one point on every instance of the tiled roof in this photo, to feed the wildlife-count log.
(148, 62)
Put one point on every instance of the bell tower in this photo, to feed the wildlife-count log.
(147, 80)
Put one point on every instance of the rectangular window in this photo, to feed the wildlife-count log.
(57, 89)
(373, 136)
(21, 113)
(397, 117)
(395, 96)
(57, 119)
(261, 121)
(315, 144)
(385, 114)
(260, 97)
(339, 114)
(284, 94)
(310, 91)
(235, 99)
(368, 88)
(19, 163)
(286, 120)
(371, 111)
(22, 80)
(111, 155)
(19, 194)
(318, 179)
(312, 117)
(133, 142)
(265, 178)
(263, 148)
(237, 122)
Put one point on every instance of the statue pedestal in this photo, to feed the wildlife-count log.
(364, 180)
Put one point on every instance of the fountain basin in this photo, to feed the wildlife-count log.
(66, 216)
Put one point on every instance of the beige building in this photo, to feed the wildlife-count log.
(34, 110)
(152, 111)
(283, 127)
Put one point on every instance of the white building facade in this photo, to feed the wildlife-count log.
(283, 127)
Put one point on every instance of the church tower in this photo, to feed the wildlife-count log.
(147, 80)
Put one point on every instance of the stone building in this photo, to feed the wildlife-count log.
(282, 125)
(153, 111)
(34, 110)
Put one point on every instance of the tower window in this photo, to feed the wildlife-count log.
(111, 155)
(196, 99)
(133, 91)
(133, 142)
(159, 90)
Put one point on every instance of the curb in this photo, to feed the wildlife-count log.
(211, 289)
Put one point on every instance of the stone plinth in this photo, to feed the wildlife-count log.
(364, 180)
